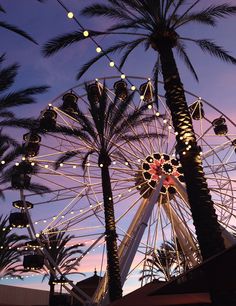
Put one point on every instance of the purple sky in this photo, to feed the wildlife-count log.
(45, 21)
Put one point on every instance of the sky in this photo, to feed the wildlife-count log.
(47, 20)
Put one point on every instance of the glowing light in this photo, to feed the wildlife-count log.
(46, 166)
(169, 127)
(176, 133)
(61, 164)
(164, 120)
(111, 64)
(101, 165)
(32, 164)
(98, 50)
(141, 97)
(74, 166)
(37, 235)
(70, 15)
(86, 33)
(149, 106)
(3, 162)
(123, 76)
(23, 158)
(157, 114)
(133, 87)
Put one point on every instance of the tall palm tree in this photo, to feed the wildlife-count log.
(56, 244)
(108, 125)
(156, 24)
(10, 257)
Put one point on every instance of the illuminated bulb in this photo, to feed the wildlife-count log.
(91, 206)
(176, 133)
(119, 195)
(86, 33)
(88, 164)
(98, 50)
(184, 153)
(17, 164)
(23, 158)
(37, 235)
(141, 97)
(70, 15)
(109, 198)
(139, 187)
(4, 229)
(126, 163)
(3, 162)
(111, 64)
(72, 212)
(32, 164)
(54, 218)
(200, 153)
(165, 121)
(181, 137)
(133, 87)
(81, 210)
(139, 160)
(101, 165)
(186, 142)
(157, 114)
(169, 127)
(114, 162)
(36, 222)
(130, 190)
(122, 76)
(149, 106)
(61, 164)
(63, 217)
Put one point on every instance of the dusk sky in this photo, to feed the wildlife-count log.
(46, 20)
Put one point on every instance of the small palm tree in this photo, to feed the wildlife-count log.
(64, 256)
(10, 257)
(165, 263)
(156, 25)
(105, 128)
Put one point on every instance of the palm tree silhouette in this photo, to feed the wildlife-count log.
(156, 24)
(56, 245)
(10, 257)
(105, 128)
(165, 263)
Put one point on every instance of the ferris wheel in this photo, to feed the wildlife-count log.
(150, 200)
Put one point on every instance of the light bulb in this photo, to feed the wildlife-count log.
(70, 15)
(86, 33)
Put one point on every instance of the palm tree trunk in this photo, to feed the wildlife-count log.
(52, 291)
(114, 280)
(204, 217)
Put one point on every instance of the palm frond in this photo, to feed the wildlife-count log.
(182, 53)
(210, 47)
(130, 47)
(16, 30)
(7, 76)
(105, 11)
(21, 97)
(65, 157)
(115, 48)
(62, 41)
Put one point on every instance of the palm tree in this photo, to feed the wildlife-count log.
(156, 24)
(107, 125)
(56, 245)
(10, 257)
(13, 28)
(165, 263)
